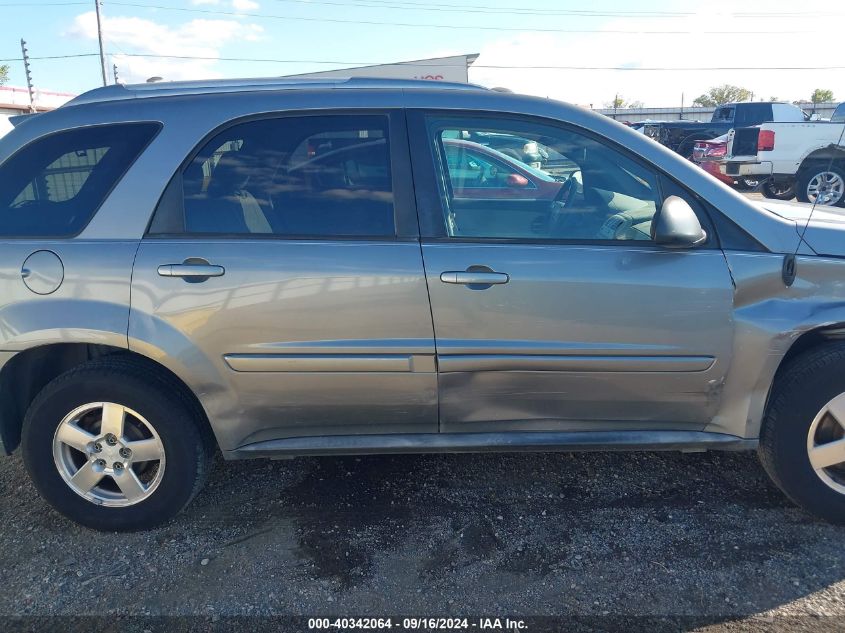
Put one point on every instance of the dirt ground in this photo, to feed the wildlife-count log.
(599, 535)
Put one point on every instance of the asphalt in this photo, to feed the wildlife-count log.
(597, 535)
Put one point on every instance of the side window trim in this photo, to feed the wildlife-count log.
(406, 225)
(429, 202)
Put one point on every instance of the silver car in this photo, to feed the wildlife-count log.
(277, 268)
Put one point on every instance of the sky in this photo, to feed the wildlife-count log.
(651, 51)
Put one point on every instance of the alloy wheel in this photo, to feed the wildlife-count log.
(109, 454)
(826, 444)
(825, 188)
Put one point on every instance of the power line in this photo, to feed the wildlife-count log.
(433, 65)
(17, 59)
(40, 4)
(495, 66)
(584, 13)
(452, 26)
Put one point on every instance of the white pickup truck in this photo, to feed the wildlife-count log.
(807, 156)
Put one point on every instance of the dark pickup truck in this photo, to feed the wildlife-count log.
(681, 136)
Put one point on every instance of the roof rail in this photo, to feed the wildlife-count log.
(121, 92)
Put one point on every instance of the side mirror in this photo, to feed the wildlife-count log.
(517, 180)
(675, 225)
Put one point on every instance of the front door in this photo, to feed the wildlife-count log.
(552, 308)
(282, 275)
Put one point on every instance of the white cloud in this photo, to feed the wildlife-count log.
(244, 5)
(198, 38)
(694, 46)
(207, 2)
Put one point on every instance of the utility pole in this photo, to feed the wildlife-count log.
(100, 39)
(116, 80)
(681, 117)
(615, 104)
(25, 54)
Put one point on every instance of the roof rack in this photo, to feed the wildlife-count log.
(121, 92)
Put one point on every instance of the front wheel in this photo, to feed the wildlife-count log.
(823, 184)
(113, 445)
(802, 442)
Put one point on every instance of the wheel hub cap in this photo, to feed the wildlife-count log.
(108, 454)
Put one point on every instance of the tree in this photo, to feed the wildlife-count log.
(821, 96)
(4, 74)
(619, 102)
(719, 95)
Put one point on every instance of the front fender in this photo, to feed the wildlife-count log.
(769, 318)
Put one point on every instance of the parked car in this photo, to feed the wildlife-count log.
(681, 136)
(274, 268)
(477, 171)
(711, 156)
(807, 157)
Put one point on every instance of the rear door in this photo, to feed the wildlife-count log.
(562, 314)
(285, 257)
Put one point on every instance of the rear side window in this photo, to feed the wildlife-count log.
(310, 176)
(54, 185)
(839, 114)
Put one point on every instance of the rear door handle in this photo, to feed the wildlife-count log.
(470, 277)
(191, 270)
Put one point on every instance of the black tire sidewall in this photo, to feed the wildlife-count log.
(168, 416)
(767, 192)
(796, 404)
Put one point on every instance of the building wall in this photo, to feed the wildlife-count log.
(437, 69)
(15, 100)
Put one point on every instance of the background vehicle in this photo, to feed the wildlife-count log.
(807, 156)
(274, 268)
(680, 136)
(710, 154)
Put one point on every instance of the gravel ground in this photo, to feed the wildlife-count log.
(598, 534)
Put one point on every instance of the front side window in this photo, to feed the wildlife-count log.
(53, 186)
(518, 180)
(293, 176)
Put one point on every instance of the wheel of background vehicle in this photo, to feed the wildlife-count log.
(778, 190)
(802, 442)
(113, 445)
(823, 182)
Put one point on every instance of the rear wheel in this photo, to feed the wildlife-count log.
(802, 442)
(114, 445)
(823, 184)
(778, 189)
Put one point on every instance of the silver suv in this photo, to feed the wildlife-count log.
(279, 268)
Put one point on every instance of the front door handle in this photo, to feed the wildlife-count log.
(191, 270)
(468, 277)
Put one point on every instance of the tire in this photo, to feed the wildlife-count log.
(801, 392)
(812, 173)
(778, 190)
(176, 439)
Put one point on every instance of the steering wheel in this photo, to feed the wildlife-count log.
(558, 217)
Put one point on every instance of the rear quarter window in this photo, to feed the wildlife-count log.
(54, 185)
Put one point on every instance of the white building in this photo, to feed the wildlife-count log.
(454, 68)
(14, 100)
